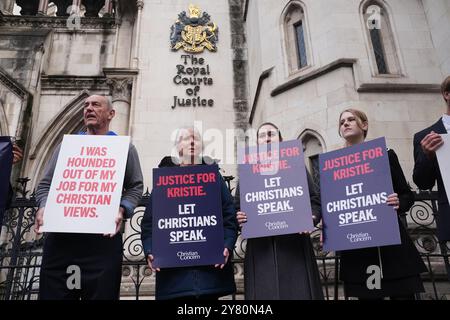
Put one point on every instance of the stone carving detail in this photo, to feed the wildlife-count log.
(74, 83)
(120, 89)
(195, 32)
(37, 22)
(140, 4)
(11, 84)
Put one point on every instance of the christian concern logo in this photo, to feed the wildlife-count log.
(194, 33)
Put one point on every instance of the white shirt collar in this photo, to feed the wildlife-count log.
(446, 121)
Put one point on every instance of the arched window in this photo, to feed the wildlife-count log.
(381, 38)
(295, 35)
(312, 147)
(69, 120)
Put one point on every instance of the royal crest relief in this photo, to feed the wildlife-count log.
(194, 33)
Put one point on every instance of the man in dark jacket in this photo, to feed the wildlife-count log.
(426, 167)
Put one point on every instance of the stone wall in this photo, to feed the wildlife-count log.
(154, 120)
(56, 65)
(340, 74)
(438, 18)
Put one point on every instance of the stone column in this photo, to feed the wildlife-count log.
(43, 5)
(76, 7)
(120, 82)
(108, 8)
(121, 99)
(140, 6)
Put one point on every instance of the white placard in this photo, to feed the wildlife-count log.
(443, 156)
(87, 184)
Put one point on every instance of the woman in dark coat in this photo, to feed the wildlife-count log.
(281, 267)
(202, 282)
(15, 155)
(401, 265)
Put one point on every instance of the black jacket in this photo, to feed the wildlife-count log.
(6, 159)
(398, 261)
(7, 204)
(426, 173)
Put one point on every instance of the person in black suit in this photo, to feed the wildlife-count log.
(401, 264)
(15, 156)
(426, 167)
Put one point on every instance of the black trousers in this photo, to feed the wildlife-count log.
(98, 258)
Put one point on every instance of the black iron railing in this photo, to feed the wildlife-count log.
(21, 252)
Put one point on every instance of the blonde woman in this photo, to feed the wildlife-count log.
(401, 264)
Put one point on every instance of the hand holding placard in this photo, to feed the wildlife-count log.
(187, 220)
(274, 191)
(118, 222)
(150, 259)
(39, 220)
(226, 254)
(356, 187)
(431, 143)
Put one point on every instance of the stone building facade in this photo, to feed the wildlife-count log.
(53, 54)
(48, 65)
(295, 63)
(387, 58)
